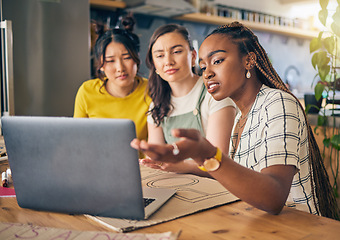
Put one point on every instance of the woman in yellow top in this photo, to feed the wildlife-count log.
(118, 92)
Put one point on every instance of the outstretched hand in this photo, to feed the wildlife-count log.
(190, 145)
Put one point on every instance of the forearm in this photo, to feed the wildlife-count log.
(266, 190)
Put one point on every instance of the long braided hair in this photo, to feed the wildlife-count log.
(248, 42)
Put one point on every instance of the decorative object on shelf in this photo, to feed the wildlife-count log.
(163, 8)
(217, 9)
(325, 52)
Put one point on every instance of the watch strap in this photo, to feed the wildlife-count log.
(218, 157)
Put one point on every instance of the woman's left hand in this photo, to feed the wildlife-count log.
(191, 145)
(185, 166)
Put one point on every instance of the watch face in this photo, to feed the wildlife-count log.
(211, 164)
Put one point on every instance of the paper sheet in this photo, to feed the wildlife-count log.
(193, 194)
(23, 231)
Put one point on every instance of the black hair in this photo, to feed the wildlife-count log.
(124, 36)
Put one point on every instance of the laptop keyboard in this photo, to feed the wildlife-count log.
(147, 201)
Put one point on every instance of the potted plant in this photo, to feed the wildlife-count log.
(325, 59)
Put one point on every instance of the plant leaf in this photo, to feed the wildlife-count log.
(314, 45)
(315, 60)
(329, 44)
(324, 3)
(322, 61)
(323, 71)
(323, 14)
(318, 90)
(335, 141)
(326, 142)
(322, 58)
(322, 120)
(336, 15)
(335, 28)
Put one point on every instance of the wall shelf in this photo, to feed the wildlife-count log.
(107, 4)
(217, 20)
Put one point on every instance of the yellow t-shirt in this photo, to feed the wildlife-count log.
(91, 102)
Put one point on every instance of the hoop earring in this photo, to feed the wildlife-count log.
(248, 75)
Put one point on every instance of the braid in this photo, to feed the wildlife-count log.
(247, 41)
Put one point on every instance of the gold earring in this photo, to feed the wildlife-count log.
(248, 75)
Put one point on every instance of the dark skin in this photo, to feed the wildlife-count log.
(267, 190)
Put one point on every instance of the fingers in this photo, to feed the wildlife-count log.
(150, 163)
(191, 134)
(154, 151)
(151, 150)
(135, 144)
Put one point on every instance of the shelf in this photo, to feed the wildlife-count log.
(107, 4)
(313, 120)
(217, 20)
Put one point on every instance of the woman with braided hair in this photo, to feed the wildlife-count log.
(274, 159)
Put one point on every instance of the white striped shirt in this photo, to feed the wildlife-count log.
(276, 134)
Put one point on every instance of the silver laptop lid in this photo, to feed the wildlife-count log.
(75, 165)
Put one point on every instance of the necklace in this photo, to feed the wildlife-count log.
(239, 125)
(241, 119)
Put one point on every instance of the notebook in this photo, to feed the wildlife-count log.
(78, 166)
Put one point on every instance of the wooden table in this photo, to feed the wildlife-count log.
(237, 220)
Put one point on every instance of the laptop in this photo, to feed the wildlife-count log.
(78, 166)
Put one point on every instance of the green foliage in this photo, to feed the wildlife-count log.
(326, 142)
(335, 26)
(324, 4)
(335, 141)
(323, 14)
(318, 90)
(324, 50)
(336, 29)
(322, 120)
(314, 45)
(329, 44)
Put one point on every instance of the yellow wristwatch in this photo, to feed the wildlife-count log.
(212, 164)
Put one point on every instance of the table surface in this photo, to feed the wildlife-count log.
(232, 221)
(236, 220)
